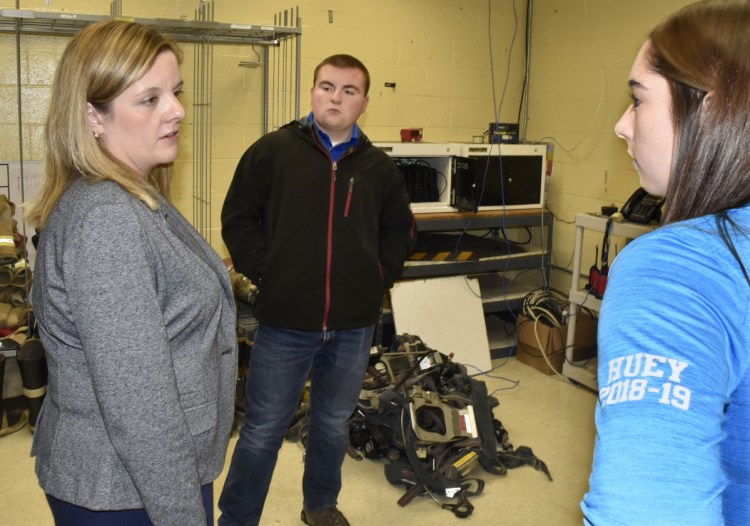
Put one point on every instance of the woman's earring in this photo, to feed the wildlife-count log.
(96, 135)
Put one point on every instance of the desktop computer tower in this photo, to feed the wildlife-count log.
(505, 176)
(427, 169)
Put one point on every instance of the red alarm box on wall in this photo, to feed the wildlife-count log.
(411, 135)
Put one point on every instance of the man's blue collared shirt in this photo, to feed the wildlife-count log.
(340, 149)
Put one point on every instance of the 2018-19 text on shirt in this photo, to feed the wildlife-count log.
(634, 377)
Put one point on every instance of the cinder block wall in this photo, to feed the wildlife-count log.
(457, 66)
(582, 51)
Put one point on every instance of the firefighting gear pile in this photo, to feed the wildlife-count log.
(432, 423)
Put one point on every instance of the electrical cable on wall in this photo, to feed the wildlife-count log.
(601, 92)
(412, 172)
(523, 107)
(497, 108)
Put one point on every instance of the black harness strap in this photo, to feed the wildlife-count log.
(488, 442)
(524, 456)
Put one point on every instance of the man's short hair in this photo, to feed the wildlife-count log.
(343, 61)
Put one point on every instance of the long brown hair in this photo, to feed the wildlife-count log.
(98, 64)
(702, 51)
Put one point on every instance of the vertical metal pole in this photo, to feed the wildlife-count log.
(298, 40)
(196, 126)
(284, 94)
(202, 126)
(27, 284)
(209, 131)
(274, 109)
(19, 108)
(266, 87)
(196, 120)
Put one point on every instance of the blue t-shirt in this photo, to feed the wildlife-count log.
(673, 419)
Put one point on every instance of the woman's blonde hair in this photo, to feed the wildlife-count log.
(98, 64)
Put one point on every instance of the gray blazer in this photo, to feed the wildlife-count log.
(138, 321)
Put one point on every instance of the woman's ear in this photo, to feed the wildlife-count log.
(94, 120)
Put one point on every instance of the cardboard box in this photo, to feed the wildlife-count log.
(553, 341)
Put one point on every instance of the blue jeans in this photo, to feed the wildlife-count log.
(280, 362)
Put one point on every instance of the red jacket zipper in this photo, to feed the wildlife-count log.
(329, 247)
(349, 197)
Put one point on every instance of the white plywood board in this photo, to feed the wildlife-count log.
(446, 313)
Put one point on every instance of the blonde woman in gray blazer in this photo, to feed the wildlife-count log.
(134, 309)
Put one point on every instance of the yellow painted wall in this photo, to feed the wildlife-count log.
(449, 60)
(582, 51)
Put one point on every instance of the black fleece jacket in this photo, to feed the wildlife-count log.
(322, 239)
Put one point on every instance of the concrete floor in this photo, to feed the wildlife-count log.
(552, 417)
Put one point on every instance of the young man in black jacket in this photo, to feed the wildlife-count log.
(319, 219)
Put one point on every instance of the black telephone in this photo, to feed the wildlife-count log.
(642, 207)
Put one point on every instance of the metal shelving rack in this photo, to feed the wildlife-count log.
(498, 293)
(584, 372)
(68, 24)
(486, 219)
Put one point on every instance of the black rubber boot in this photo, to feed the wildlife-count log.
(10, 421)
(33, 366)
